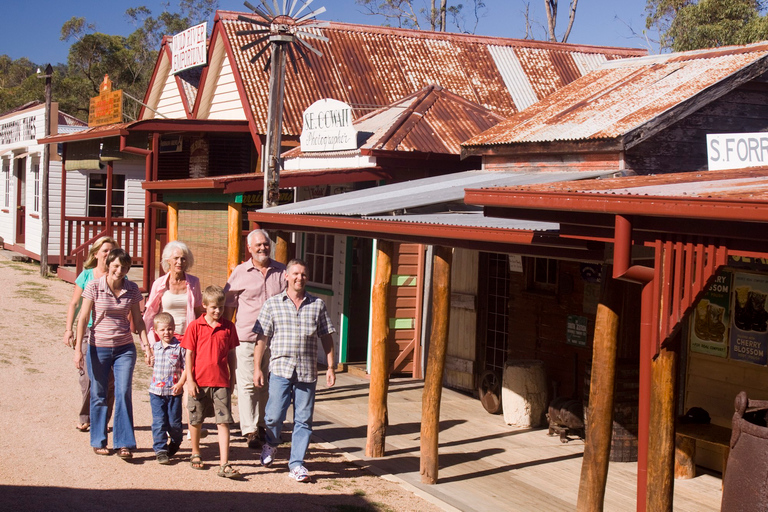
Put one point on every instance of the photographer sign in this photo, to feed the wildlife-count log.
(327, 126)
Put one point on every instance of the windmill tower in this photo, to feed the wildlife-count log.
(282, 31)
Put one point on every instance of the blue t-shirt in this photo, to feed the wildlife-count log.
(85, 277)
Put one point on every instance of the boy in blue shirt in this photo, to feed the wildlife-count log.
(166, 389)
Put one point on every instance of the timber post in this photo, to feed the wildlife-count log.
(597, 443)
(661, 438)
(433, 381)
(281, 247)
(173, 221)
(377, 396)
(234, 235)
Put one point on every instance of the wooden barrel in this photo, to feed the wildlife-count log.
(625, 410)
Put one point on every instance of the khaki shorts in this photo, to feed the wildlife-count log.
(211, 402)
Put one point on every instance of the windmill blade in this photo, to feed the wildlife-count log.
(290, 9)
(306, 4)
(246, 19)
(277, 9)
(251, 32)
(315, 24)
(268, 8)
(309, 46)
(321, 10)
(259, 12)
(269, 61)
(253, 43)
(304, 55)
(302, 33)
(292, 58)
(285, 7)
(259, 54)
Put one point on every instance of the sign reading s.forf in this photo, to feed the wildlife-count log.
(188, 49)
(736, 150)
(327, 126)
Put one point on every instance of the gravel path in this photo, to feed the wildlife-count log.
(46, 464)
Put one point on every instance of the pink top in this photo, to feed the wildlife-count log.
(248, 288)
(154, 301)
(111, 327)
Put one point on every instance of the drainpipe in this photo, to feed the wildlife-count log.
(147, 199)
(622, 257)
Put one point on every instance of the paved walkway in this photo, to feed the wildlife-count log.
(484, 464)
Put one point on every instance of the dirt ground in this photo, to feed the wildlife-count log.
(46, 464)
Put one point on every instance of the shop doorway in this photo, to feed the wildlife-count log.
(359, 299)
(21, 198)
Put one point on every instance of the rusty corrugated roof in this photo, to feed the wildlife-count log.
(622, 95)
(367, 66)
(738, 184)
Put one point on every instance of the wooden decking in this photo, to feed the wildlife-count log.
(484, 464)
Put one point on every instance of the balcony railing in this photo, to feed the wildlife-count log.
(81, 232)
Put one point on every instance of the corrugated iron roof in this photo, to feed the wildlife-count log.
(399, 197)
(367, 66)
(622, 95)
(469, 219)
(745, 184)
(432, 120)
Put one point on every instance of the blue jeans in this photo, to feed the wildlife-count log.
(281, 392)
(104, 361)
(166, 421)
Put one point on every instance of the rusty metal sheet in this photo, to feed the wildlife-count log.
(372, 67)
(622, 95)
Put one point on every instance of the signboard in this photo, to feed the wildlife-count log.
(255, 200)
(516, 263)
(171, 144)
(576, 331)
(188, 48)
(107, 107)
(709, 333)
(327, 126)
(736, 150)
(18, 130)
(749, 329)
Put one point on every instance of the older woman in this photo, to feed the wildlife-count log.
(94, 267)
(110, 300)
(176, 292)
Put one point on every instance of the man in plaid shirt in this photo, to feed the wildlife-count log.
(292, 321)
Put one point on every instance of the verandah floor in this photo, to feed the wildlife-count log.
(484, 464)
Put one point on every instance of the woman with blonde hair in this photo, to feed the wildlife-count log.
(94, 267)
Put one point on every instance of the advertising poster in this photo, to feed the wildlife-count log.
(711, 316)
(749, 328)
(576, 331)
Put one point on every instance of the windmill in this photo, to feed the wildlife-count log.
(281, 30)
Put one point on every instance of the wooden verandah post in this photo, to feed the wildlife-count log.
(377, 396)
(433, 381)
(173, 221)
(597, 445)
(234, 235)
(281, 247)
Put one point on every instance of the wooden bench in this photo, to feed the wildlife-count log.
(686, 435)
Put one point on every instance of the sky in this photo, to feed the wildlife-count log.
(32, 27)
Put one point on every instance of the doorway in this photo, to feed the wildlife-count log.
(359, 299)
(20, 171)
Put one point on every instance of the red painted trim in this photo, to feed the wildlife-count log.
(147, 94)
(204, 75)
(34, 215)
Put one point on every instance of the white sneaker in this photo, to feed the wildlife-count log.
(203, 434)
(300, 474)
(268, 455)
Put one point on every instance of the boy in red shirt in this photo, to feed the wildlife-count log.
(210, 367)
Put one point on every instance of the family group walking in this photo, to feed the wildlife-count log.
(186, 335)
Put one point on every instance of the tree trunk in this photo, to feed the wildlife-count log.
(377, 396)
(433, 382)
(597, 445)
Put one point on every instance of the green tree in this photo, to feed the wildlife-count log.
(18, 83)
(687, 24)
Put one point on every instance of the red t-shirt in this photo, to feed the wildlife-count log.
(211, 347)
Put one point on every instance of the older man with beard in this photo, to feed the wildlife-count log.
(249, 286)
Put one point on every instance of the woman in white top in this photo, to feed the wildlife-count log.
(176, 292)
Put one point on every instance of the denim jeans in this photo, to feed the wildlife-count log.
(166, 421)
(104, 361)
(281, 392)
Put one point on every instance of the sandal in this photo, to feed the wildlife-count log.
(101, 451)
(124, 453)
(227, 471)
(196, 461)
(83, 427)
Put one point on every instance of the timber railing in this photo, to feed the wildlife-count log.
(81, 232)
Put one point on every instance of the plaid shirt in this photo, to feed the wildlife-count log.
(169, 363)
(294, 334)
